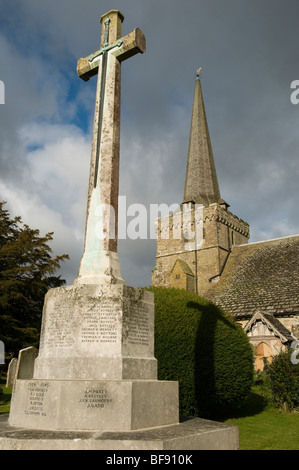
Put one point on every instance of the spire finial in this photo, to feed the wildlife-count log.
(198, 72)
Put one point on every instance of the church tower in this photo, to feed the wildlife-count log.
(194, 243)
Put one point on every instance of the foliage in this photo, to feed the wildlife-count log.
(200, 346)
(5, 397)
(283, 378)
(27, 271)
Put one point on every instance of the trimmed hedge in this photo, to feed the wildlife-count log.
(200, 346)
(283, 379)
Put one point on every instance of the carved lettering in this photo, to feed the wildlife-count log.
(95, 398)
(36, 396)
(100, 326)
(139, 329)
(59, 331)
(96, 323)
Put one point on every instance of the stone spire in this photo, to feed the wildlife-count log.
(201, 184)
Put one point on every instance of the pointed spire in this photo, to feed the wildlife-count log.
(201, 184)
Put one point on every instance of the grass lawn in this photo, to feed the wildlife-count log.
(5, 397)
(261, 426)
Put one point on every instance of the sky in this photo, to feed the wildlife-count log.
(248, 51)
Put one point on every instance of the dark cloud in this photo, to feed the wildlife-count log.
(248, 50)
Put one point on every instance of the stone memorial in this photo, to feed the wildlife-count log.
(96, 367)
(96, 372)
(25, 363)
(11, 372)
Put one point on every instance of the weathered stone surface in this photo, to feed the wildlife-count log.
(132, 44)
(94, 405)
(25, 364)
(201, 183)
(100, 261)
(205, 251)
(194, 434)
(97, 332)
(96, 367)
(11, 372)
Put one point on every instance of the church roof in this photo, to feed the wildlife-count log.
(201, 183)
(273, 325)
(260, 276)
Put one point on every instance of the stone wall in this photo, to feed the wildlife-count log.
(200, 236)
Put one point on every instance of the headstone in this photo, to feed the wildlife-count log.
(96, 371)
(25, 363)
(11, 372)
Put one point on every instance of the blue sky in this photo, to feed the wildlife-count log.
(249, 54)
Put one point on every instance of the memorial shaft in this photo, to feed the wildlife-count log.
(100, 262)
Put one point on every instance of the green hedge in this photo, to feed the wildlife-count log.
(283, 379)
(202, 348)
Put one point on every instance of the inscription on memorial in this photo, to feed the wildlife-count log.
(139, 326)
(36, 396)
(95, 398)
(96, 324)
(100, 326)
(59, 330)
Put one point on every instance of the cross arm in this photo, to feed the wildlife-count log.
(122, 49)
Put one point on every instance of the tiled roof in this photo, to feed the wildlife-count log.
(260, 276)
(273, 324)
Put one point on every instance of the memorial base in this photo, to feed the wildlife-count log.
(112, 405)
(94, 385)
(193, 434)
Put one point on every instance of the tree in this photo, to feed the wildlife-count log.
(27, 272)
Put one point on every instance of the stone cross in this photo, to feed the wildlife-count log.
(100, 262)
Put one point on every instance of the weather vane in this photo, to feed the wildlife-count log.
(198, 72)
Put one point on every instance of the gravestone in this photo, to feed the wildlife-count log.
(25, 363)
(96, 372)
(11, 372)
(21, 367)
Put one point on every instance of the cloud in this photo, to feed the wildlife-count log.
(54, 195)
(39, 215)
(249, 58)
